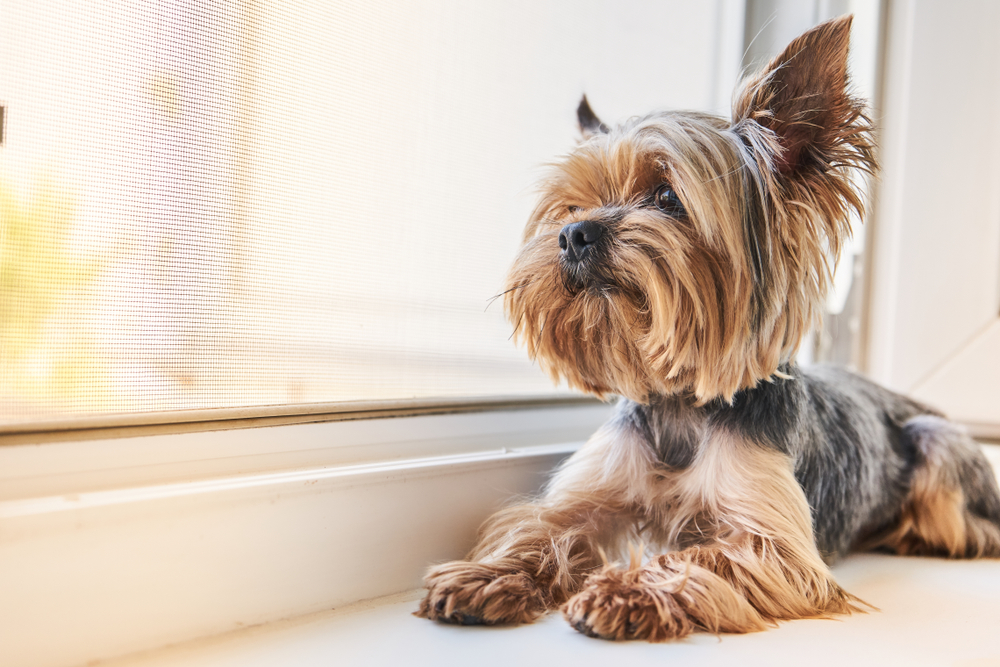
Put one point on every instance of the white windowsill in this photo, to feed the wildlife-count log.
(121, 547)
(932, 612)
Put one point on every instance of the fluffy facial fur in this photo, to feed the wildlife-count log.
(710, 299)
(677, 260)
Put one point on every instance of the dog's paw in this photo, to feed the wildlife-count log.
(467, 593)
(630, 604)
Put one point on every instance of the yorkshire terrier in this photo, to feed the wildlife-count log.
(677, 260)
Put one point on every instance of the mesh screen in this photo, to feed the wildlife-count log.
(229, 204)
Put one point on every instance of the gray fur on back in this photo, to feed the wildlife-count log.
(844, 434)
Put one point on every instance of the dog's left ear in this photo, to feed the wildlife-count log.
(590, 124)
(802, 97)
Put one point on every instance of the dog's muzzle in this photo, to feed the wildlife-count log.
(580, 243)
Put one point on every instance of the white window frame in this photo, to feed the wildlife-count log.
(934, 327)
(116, 545)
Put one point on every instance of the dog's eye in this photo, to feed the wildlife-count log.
(667, 200)
(573, 209)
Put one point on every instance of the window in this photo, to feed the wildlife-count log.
(220, 204)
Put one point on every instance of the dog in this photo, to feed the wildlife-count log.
(677, 261)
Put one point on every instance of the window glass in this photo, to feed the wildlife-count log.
(227, 204)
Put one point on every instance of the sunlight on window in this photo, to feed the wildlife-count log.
(211, 204)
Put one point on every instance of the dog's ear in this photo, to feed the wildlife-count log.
(590, 124)
(802, 96)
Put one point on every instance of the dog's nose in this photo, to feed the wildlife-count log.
(577, 239)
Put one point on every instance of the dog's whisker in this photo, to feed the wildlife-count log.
(505, 292)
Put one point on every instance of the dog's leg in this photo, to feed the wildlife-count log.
(762, 565)
(953, 507)
(530, 558)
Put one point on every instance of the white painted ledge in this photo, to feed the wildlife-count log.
(932, 613)
(218, 532)
(111, 547)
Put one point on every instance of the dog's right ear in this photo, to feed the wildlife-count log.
(802, 96)
(590, 124)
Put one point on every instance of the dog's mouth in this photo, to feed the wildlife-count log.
(576, 276)
(590, 276)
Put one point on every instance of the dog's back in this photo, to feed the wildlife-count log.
(865, 456)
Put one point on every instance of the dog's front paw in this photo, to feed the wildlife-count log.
(468, 593)
(629, 604)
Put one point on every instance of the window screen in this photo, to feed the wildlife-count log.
(230, 204)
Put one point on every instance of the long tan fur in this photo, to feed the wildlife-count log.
(530, 558)
(693, 308)
(755, 561)
(936, 519)
(750, 558)
(707, 305)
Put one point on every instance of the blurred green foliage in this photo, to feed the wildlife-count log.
(41, 278)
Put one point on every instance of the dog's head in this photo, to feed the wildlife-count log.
(687, 253)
